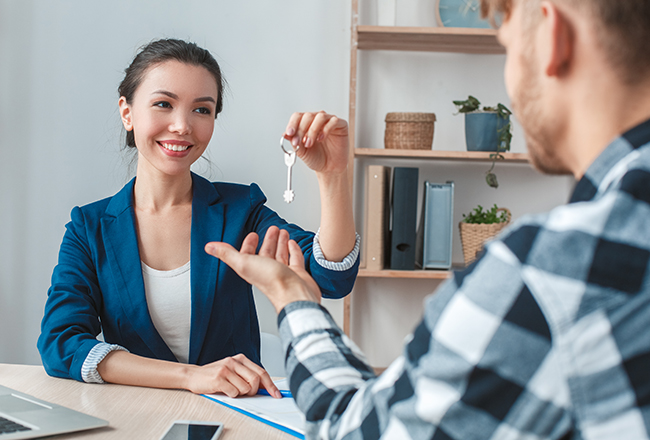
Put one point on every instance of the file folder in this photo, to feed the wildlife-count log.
(403, 218)
(377, 211)
(435, 232)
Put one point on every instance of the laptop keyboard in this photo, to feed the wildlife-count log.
(7, 426)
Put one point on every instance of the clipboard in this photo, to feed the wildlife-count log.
(282, 414)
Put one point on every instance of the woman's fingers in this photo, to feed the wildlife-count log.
(305, 129)
(292, 126)
(237, 376)
(317, 130)
(253, 373)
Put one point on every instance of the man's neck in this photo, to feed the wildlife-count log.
(598, 115)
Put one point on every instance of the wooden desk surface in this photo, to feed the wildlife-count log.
(133, 412)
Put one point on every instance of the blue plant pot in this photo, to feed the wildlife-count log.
(481, 131)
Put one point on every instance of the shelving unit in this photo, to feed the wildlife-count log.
(407, 274)
(453, 40)
(464, 156)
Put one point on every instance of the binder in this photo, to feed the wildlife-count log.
(435, 232)
(403, 218)
(377, 217)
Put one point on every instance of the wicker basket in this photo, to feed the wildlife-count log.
(409, 131)
(472, 235)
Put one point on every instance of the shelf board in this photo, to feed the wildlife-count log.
(412, 274)
(468, 156)
(429, 39)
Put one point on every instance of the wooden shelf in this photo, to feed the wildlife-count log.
(427, 39)
(411, 274)
(467, 156)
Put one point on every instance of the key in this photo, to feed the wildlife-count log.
(289, 160)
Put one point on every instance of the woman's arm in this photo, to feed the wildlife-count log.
(323, 143)
(233, 376)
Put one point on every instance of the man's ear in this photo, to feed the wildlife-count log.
(125, 113)
(559, 38)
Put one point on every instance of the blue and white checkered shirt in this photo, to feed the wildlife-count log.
(546, 336)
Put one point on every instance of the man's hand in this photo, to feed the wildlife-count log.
(278, 270)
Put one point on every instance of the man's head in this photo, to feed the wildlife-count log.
(567, 53)
(623, 28)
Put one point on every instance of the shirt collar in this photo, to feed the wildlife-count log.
(587, 188)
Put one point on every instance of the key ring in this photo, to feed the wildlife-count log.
(282, 139)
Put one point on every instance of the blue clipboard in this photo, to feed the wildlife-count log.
(258, 418)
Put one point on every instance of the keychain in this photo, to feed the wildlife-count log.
(289, 160)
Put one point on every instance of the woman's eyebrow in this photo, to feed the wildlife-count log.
(175, 96)
(205, 98)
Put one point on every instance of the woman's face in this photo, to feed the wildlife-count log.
(172, 116)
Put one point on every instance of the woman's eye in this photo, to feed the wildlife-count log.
(162, 104)
(203, 110)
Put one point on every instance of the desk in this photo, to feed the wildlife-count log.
(133, 412)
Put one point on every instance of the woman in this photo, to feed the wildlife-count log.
(133, 266)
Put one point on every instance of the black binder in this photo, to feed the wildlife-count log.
(403, 218)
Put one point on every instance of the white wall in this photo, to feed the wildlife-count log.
(60, 135)
(60, 64)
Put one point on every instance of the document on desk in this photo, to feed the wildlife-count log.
(282, 413)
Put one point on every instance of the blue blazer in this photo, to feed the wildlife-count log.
(98, 286)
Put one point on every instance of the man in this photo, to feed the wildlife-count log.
(547, 335)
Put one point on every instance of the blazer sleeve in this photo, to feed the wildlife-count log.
(71, 320)
(333, 283)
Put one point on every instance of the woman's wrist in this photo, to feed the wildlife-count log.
(185, 374)
(333, 178)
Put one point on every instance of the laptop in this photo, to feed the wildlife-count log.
(23, 416)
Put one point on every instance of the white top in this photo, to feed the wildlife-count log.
(169, 302)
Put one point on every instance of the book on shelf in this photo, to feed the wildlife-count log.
(435, 231)
(403, 218)
(377, 217)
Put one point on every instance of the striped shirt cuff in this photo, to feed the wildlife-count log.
(341, 266)
(89, 371)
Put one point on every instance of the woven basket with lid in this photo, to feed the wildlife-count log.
(409, 131)
(473, 235)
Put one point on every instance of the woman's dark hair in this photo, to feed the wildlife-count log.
(158, 52)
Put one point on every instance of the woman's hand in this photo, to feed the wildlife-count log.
(233, 376)
(278, 270)
(323, 141)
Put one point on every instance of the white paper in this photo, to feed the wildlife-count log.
(283, 411)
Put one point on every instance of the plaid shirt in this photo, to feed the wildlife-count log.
(546, 336)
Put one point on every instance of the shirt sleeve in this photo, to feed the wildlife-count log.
(478, 365)
(97, 354)
(339, 266)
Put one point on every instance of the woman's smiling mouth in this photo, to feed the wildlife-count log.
(176, 146)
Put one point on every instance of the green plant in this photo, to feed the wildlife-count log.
(504, 134)
(479, 216)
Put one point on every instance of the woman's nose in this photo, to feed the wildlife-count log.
(180, 124)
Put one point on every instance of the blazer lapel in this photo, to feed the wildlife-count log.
(207, 225)
(121, 242)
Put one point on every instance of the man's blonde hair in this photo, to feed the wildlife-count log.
(623, 30)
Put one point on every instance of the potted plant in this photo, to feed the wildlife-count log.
(479, 226)
(486, 129)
